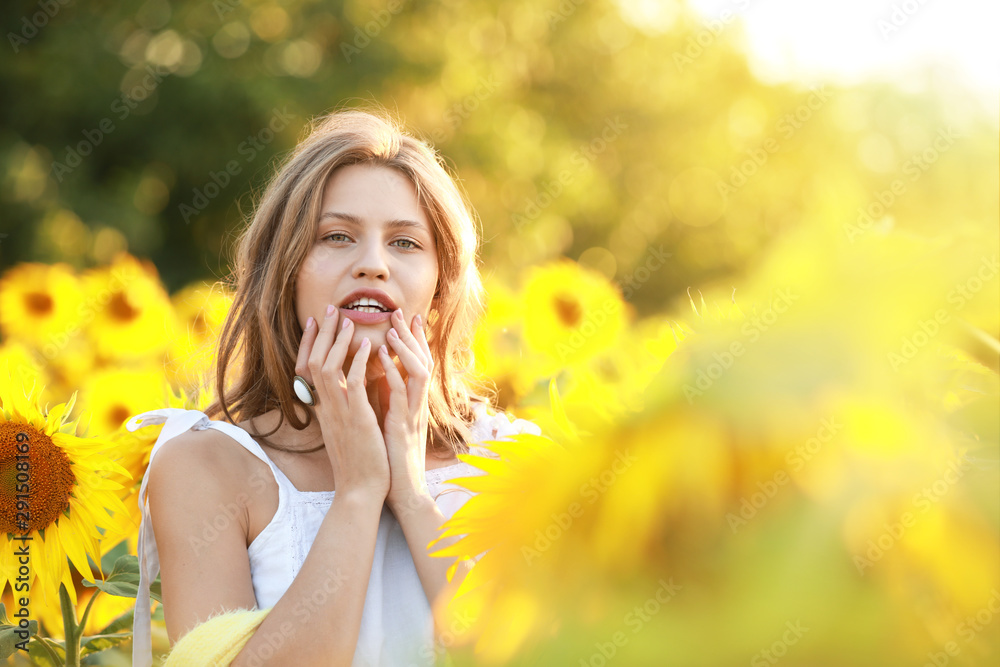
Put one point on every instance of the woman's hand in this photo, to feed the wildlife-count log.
(347, 421)
(405, 423)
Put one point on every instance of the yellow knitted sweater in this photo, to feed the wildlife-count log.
(216, 641)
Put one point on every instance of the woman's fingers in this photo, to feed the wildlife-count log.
(356, 395)
(413, 364)
(305, 347)
(393, 378)
(338, 353)
(416, 373)
(407, 337)
(417, 329)
(321, 346)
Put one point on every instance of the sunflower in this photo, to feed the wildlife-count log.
(201, 311)
(499, 593)
(39, 303)
(499, 348)
(571, 314)
(136, 447)
(113, 394)
(69, 497)
(520, 528)
(131, 313)
(614, 382)
(17, 354)
(69, 366)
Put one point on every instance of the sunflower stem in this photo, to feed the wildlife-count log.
(45, 644)
(86, 613)
(113, 635)
(69, 626)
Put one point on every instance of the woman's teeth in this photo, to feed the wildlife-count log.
(366, 305)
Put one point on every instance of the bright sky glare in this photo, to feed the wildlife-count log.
(848, 41)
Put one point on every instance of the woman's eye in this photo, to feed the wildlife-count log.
(337, 236)
(406, 244)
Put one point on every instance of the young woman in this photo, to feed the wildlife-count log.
(356, 291)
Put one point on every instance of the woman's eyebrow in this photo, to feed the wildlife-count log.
(392, 224)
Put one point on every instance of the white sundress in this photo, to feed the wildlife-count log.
(396, 623)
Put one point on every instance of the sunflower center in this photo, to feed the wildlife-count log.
(44, 485)
(119, 413)
(568, 310)
(121, 309)
(38, 303)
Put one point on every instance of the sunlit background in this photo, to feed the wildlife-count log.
(742, 265)
(917, 45)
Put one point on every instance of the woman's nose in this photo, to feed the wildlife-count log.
(371, 262)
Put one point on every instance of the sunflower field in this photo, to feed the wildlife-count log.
(758, 322)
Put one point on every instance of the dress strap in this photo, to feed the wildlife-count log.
(489, 425)
(175, 421)
(252, 446)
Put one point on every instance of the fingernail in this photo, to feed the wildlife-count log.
(399, 313)
(383, 349)
(392, 333)
(420, 321)
(309, 323)
(330, 310)
(347, 323)
(364, 342)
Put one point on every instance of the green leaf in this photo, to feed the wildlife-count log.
(124, 580)
(109, 559)
(8, 634)
(123, 622)
(42, 658)
(98, 643)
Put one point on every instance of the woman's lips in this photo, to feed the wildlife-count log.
(361, 317)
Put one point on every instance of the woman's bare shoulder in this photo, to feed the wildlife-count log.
(200, 523)
(201, 462)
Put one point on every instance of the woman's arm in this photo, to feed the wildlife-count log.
(406, 438)
(191, 485)
(317, 620)
(421, 520)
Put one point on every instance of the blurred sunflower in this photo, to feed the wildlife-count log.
(135, 448)
(571, 314)
(70, 366)
(614, 382)
(69, 496)
(39, 303)
(113, 394)
(133, 316)
(17, 354)
(201, 310)
(505, 542)
(499, 348)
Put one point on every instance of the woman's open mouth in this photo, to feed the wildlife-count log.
(366, 310)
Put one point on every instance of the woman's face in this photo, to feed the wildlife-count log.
(373, 243)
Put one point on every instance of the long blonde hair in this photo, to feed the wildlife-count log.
(262, 322)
